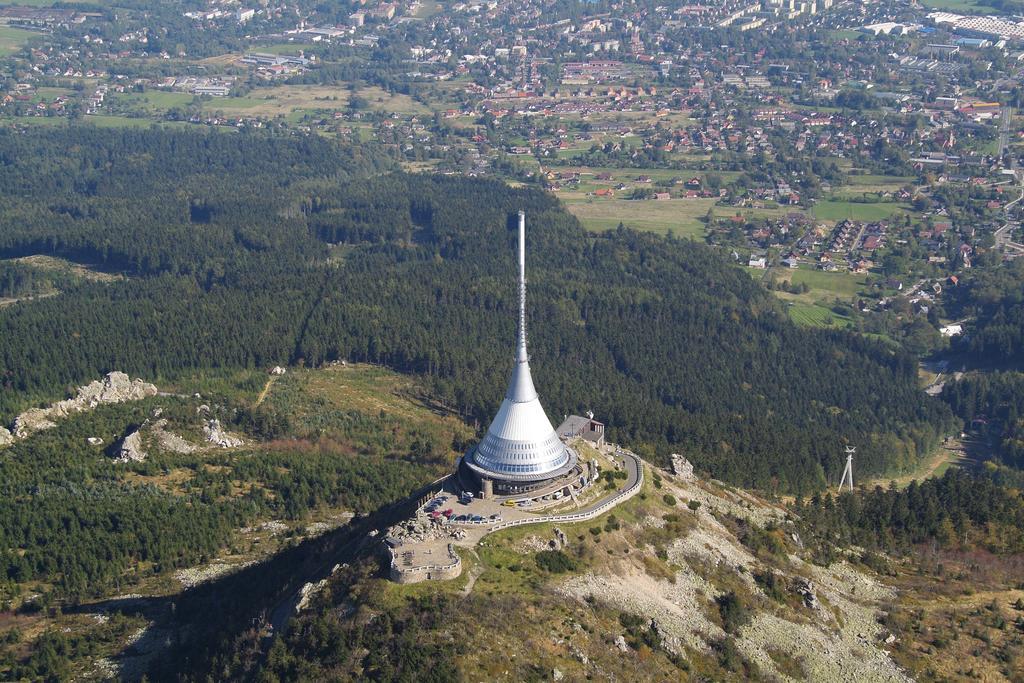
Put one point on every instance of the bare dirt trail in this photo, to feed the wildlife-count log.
(266, 389)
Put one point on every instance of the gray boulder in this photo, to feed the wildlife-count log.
(131, 449)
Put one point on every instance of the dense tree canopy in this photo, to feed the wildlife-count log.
(995, 299)
(956, 510)
(225, 241)
(993, 404)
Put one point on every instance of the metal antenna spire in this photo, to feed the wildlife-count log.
(848, 470)
(521, 356)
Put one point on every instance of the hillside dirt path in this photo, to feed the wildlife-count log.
(266, 388)
(474, 574)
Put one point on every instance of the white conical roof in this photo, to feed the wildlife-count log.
(521, 443)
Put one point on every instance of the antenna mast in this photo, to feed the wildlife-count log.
(848, 470)
(521, 356)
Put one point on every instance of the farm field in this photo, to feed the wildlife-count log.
(875, 179)
(11, 39)
(283, 100)
(110, 121)
(843, 285)
(153, 101)
(813, 308)
(682, 216)
(629, 175)
(33, 121)
(813, 315)
(769, 212)
(838, 210)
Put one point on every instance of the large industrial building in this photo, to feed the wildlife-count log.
(521, 451)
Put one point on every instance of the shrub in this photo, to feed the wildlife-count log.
(555, 561)
(772, 584)
(734, 613)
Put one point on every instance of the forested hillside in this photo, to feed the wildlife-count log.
(995, 298)
(225, 242)
(994, 405)
(956, 510)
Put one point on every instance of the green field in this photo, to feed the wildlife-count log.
(102, 121)
(813, 315)
(962, 6)
(11, 39)
(682, 216)
(769, 212)
(846, 34)
(98, 120)
(875, 179)
(153, 101)
(288, 101)
(813, 308)
(835, 284)
(33, 121)
(836, 210)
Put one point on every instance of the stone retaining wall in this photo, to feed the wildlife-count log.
(432, 572)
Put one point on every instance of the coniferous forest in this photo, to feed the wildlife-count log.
(994, 301)
(246, 250)
(955, 510)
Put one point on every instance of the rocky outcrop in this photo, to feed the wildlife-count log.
(6, 438)
(169, 441)
(131, 449)
(308, 592)
(116, 387)
(682, 467)
(216, 435)
(31, 421)
(805, 589)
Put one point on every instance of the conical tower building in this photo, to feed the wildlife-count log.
(520, 450)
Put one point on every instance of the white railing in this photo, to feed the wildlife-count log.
(620, 497)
